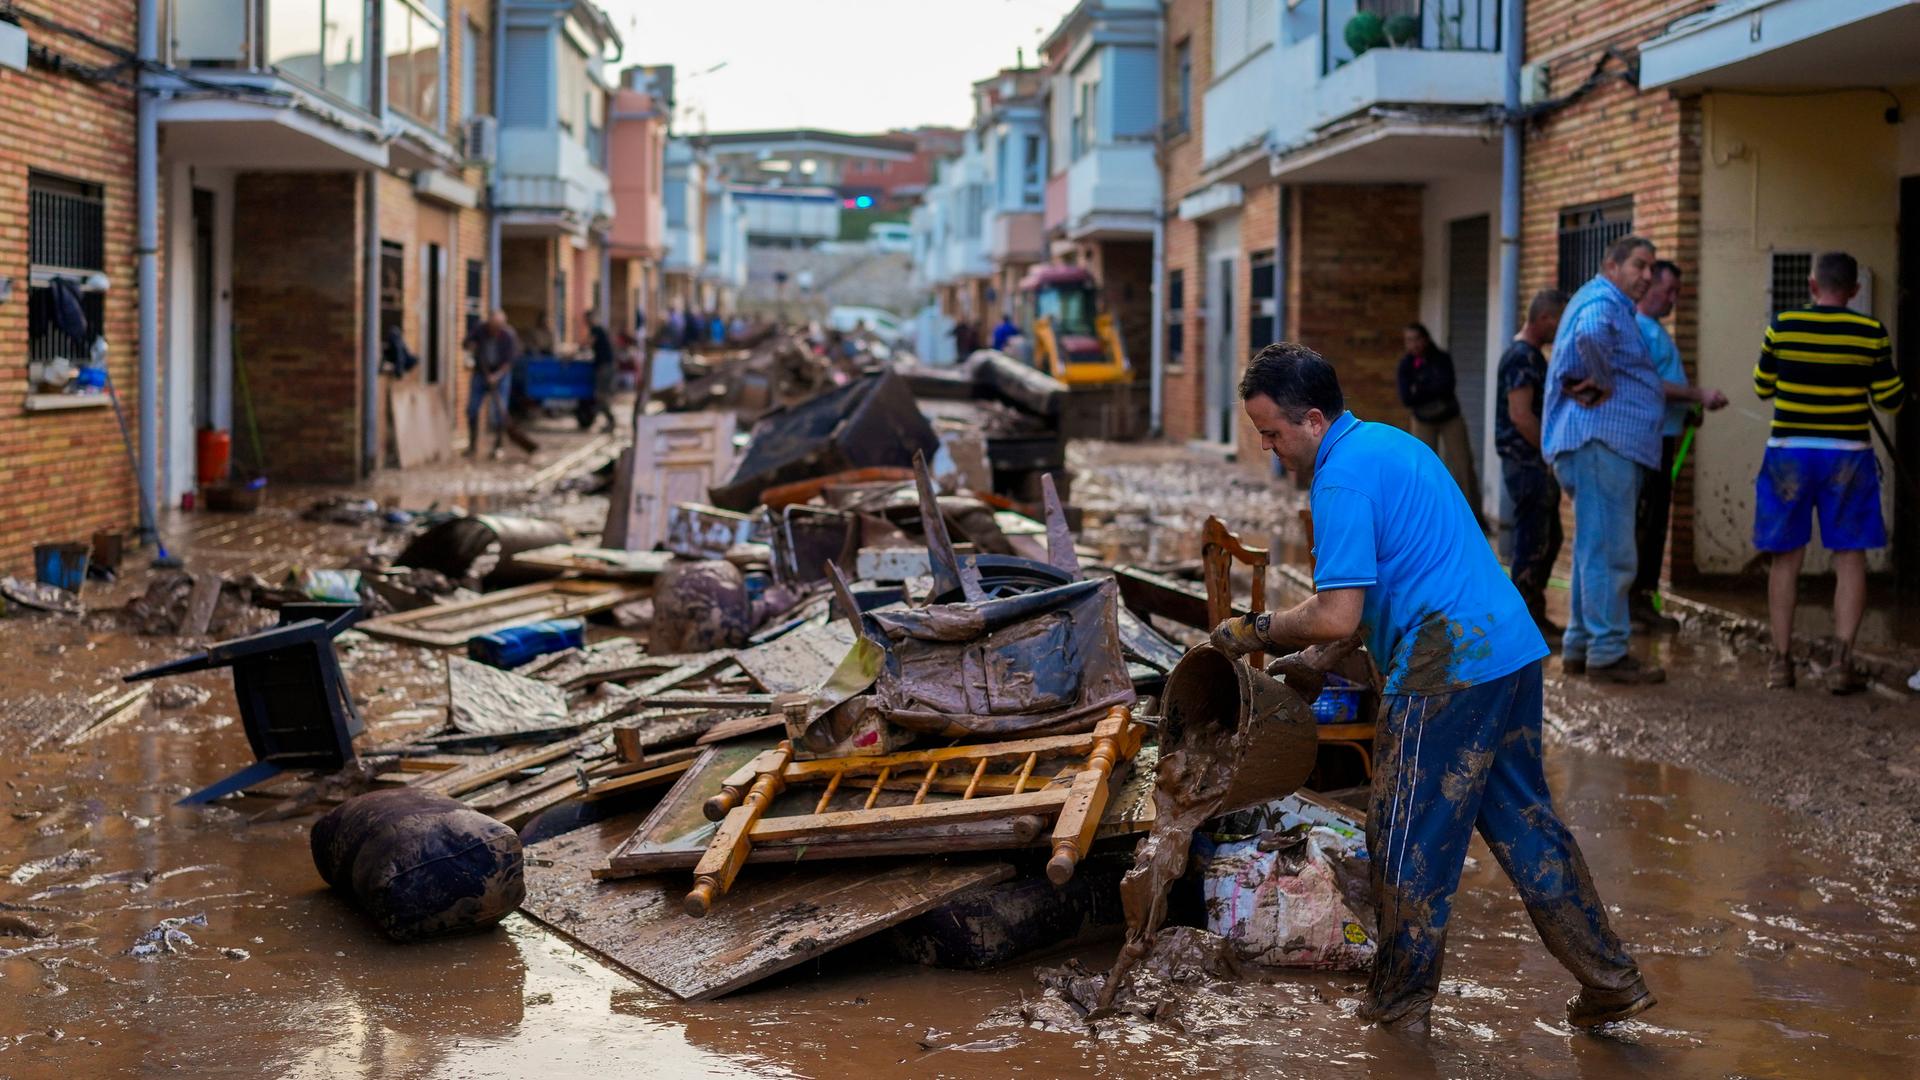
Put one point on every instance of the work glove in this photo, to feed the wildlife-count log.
(1239, 635)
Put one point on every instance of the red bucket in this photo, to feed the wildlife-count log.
(213, 449)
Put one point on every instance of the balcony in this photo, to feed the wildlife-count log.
(1112, 192)
(1017, 237)
(312, 55)
(549, 185)
(1441, 54)
(1786, 43)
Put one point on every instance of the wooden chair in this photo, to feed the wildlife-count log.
(1220, 548)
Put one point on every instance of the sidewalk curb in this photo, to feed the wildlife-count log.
(1886, 672)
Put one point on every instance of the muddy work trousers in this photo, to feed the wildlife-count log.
(1443, 766)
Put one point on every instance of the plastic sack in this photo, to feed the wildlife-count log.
(1281, 898)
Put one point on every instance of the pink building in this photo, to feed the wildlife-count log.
(642, 109)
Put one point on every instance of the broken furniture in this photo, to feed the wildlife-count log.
(481, 548)
(1075, 806)
(675, 458)
(294, 701)
(449, 626)
(1220, 548)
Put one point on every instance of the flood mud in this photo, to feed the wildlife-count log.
(1783, 940)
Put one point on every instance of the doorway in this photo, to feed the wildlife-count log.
(1906, 357)
(1468, 266)
(204, 375)
(434, 296)
(1220, 364)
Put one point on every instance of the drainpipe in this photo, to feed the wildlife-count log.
(1510, 154)
(1515, 32)
(370, 339)
(370, 280)
(493, 171)
(1157, 350)
(147, 251)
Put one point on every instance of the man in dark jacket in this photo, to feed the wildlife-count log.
(495, 347)
(605, 365)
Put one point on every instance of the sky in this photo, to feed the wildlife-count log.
(846, 65)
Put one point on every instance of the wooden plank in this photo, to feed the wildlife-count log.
(606, 564)
(773, 920)
(453, 625)
(456, 782)
(200, 604)
(799, 661)
(741, 726)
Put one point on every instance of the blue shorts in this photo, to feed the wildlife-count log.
(1795, 480)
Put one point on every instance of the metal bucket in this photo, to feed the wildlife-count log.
(1275, 739)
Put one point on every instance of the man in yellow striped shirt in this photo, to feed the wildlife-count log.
(1824, 367)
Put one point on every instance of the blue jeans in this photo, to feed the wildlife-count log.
(1445, 765)
(1606, 490)
(495, 397)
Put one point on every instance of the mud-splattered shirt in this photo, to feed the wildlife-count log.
(1440, 613)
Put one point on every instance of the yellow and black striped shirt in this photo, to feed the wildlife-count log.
(1821, 365)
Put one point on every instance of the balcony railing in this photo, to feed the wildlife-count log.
(323, 44)
(1443, 25)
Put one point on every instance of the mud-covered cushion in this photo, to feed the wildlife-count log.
(421, 864)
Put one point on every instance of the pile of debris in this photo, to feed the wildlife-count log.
(861, 640)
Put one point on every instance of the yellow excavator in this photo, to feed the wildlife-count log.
(1073, 340)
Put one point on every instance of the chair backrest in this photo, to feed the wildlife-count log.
(1220, 548)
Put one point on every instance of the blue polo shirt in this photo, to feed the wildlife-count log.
(1440, 614)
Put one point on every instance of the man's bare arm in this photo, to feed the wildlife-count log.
(1520, 411)
(1333, 615)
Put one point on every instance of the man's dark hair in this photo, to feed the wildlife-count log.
(1544, 301)
(1622, 249)
(1421, 329)
(1296, 378)
(1836, 270)
(1666, 266)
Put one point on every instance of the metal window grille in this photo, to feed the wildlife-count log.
(1787, 277)
(66, 231)
(1585, 233)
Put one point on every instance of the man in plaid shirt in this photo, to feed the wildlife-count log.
(1605, 404)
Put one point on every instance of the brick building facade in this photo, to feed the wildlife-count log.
(69, 139)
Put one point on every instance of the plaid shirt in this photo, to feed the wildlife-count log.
(1599, 339)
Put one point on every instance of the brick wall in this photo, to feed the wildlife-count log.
(1616, 141)
(63, 475)
(1354, 282)
(298, 320)
(1183, 399)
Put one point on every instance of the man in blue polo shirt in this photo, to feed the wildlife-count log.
(1400, 560)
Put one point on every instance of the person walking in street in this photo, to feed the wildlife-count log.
(1006, 331)
(1684, 403)
(965, 339)
(1399, 557)
(1605, 403)
(495, 348)
(1824, 367)
(605, 366)
(1426, 381)
(1529, 482)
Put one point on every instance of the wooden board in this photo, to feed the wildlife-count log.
(604, 564)
(773, 919)
(449, 626)
(422, 423)
(676, 458)
(799, 661)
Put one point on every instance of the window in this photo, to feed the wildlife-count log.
(322, 43)
(393, 288)
(66, 238)
(1030, 169)
(1085, 133)
(1181, 96)
(1240, 29)
(415, 36)
(528, 74)
(1787, 276)
(471, 43)
(473, 304)
(1262, 304)
(1585, 232)
(1176, 317)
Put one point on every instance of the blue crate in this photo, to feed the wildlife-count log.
(548, 379)
(1339, 702)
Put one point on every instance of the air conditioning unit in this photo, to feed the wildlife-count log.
(481, 134)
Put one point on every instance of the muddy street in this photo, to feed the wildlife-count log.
(1748, 847)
